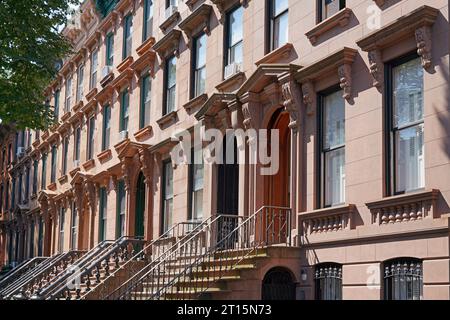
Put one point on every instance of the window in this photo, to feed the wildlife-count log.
(328, 281)
(53, 168)
(406, 123)
(148, 20)
(68, 97)
(196, 185)
(110, 49)
(27, 183)
(31, 239)
(40, 237)
(103, 214)
(1, 197)
(74, 228)
(13, 194)
(90, 142)
(44, 171)
(167, 196)
(328, 8)
(80, 77)
(170, 85)
(199, 70)
(121, 209)
(332, 143)
(20, 193)
(7, 204)
(35, 176)
(146, 93)
(76, 154)
(106, 127)
(56, 110)
(403, 279)
(234, 37)
(279, 23)
(62, 218)
(124, 110)
(94, 68)
(127, 36)
(65, 155)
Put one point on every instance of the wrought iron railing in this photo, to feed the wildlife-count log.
(20, 270)
(88, 273)
(133, 267)
(268, 226)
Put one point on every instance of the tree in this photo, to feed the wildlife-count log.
(30, 47)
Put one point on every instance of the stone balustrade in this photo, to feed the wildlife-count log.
(327, 220)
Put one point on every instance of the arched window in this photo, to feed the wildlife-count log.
(403, 279)
(328, 281)
(278, 284)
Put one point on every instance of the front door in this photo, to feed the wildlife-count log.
(140, 207)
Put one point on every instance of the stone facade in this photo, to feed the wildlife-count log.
(274, 87)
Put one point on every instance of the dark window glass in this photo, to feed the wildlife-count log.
(56, 110)
(74, 228)
(234, 41)
(148, 20)
(328, 8)
(199, 70)
(62, 218)
(76, 155)
(121, 208)
(44, 171)
(170, 84)
(279, 23)
(124, 110)
(90, 142)
(196, 173)
(106, 127)
(110, 49)
(53, 168)
(146, 93)
(127, 36)
(167, 196)
(103, 214)
(35, 176)
(65, 155)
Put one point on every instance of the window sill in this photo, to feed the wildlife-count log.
(119, 147)
(78, 106)
(327, 220)
(123, 80)
(88, 165)
(104, 156)
(45, 134)
(63, 179)
(107, 79)
(52, 186)
(168, 120)
(144, 133)
(125, 64)
(66, 116)
(172, 20)
(232, 83)
(36, 143)
(195, 103)
(74, 171)
(406, 207)
(91, 94)
(89, 107)
(277, 55)
(145, 46)
(342, 18)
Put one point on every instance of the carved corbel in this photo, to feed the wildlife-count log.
(91, 194)
(224, 117)
(308, 95)
(289, 104)
(146, 160)
(376, 67)
(79, 194)
(126, 171)
(345, 80)
(423, 39)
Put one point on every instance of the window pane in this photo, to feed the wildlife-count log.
(331, 7)
(410, 167)
(146, 101)
(335, 177)
(198, 205)
(334, 120)
(408, 93)
(170, 100)
(281, 29)
(235, 27)
(200, 81)
(236, 53)
(200, 46)
(171, 72)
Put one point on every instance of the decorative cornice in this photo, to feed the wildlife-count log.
(277, 55)
(169, 44)
(195, 103)
(167, 120)
(197, 20)
(341, 18)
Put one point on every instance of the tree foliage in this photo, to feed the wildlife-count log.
(30, 46)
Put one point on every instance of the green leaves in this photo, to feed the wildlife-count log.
(30, 46)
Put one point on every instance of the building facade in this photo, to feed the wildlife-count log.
(357, 91)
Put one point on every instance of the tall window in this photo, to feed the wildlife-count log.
(103, 214)
(403, 279)
(110, 49)
(80, 80)
(44, 171)
(7, 191)
(1, 197)
(170, 84)
(62, 218)
(13, 194)
(53, 168)
(31, 239)
(40, 236)
(56, 110)
(333, 149)
(196, 185)
(121, 209)
(199, 70)
(146, 94)
(167, 196)
(20, 193)
(76, 154)
(74, 228)
(234, 40)
(148, 20)
(124, 110)
(35, 176)
(127, 36)
(27, 183)
(65, 155)
(328, 281)
(106, 127)
(90, 142)
(68, 96)
(406, 125)
(94, 68)
(328, 8)
(279, 23)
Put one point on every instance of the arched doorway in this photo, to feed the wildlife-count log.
(278, 284)
(278, 185)
(139, 229)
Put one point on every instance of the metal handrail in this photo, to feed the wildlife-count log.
(243, 237)
(20, 270)
(190, 248)
(132, 283)
(140, 255)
